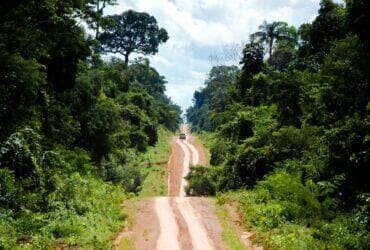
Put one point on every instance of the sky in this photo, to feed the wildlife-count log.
(206, 33)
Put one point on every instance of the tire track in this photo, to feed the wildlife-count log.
(185, 167)
(194, 153)
(198, 234)
(169, 231)
(179, 220)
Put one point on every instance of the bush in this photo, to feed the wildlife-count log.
(287, 215)
(298, 202)
(139, 140)
(294, 236)
(152, 133)
(278, 199)
(240, 128)
(129, 177)
(83, 211)
(201, 181)
(132, 179)
(20, 153)
(8, 189)
(252, 164)
(76, 160)
(219, 152)
(32, 169)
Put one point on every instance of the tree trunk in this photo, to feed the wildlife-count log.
(99, 11)
(126, 58)
(97, 21)
(270, 48)
(97, 31)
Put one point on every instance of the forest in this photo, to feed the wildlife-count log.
(70, 122)
(289, 131)
(82, 108)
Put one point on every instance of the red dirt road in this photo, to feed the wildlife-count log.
(176, 221)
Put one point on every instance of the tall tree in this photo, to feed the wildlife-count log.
(214, 99)
(252, 64)
(132, 32)
(270, 32)
(252, 59)
(96, 13)
(358, 19)
(40, 48)
(319, 36)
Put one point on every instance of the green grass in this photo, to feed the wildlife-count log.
(130, 210)
(155, 182)
(229, 234)
(266, 218)
(158, 153)
(126, 244)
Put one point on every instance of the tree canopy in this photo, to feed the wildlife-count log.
(269, 33)
(132, 32)
(71, 125)
(293, 131)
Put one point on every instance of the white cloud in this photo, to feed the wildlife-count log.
(161, 60)
(198, 75)
(198, 28)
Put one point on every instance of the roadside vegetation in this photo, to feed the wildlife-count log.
(72, 126)
(289, 135)
(154, 168)
(230, 235)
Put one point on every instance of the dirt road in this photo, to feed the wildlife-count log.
(181, 221)
(176, 221)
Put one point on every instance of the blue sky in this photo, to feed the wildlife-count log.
(201, 29)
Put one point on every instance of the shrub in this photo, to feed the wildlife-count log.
(32, 169)
(76, 160)
(238, 129)
(20, 152)
(132, 179)
(297, 200)
(8, 189)
(252, 164)
(279, 199)
(139, 140)
(220, 151)
(200, 181)
(152, 133)
(129, 177)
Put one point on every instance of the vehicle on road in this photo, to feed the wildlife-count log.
(182, 136)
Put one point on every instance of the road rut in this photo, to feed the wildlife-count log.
(180, 222)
